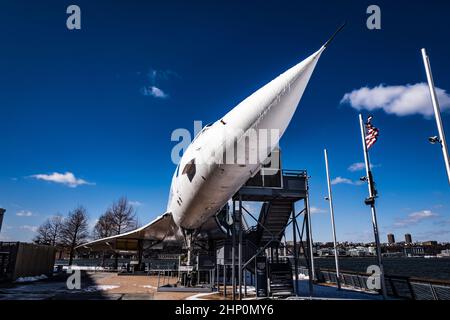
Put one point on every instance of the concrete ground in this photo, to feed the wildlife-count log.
(94, 286)
(110, 286)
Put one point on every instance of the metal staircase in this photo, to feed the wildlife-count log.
(272, 220)
(263, 239)
(280, 275)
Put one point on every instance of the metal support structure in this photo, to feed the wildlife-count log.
(271, 245)
(116, 261)
(294, 234)
(239, 225)
(437, 112)
(309, 235)
(140, 253)
(305, 252)
(233, 253)
(370, 184)
(311, 273)
(224, 280)
(333, 226)
(218, 275)
(245, 283)
(189, 252)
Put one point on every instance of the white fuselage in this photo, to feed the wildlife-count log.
(204, 181)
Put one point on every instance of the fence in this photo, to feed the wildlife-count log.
(19, 259)
(396, 286)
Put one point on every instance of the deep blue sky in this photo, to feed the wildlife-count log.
(72, 101)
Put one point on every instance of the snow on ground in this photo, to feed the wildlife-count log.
(84, 268)
(199, 296)
(149, 287)
(100, 288)
(31, 279)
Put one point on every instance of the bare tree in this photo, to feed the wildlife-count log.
(119, 218)
(75, 230)
(104, 226)
(56, 227)
(123, 216)
(49, 233)
(43, 233)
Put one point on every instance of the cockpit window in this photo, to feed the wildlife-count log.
(203, 130)
(190, 169)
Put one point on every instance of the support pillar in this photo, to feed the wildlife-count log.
(140, 254)
(233, 253)
(224, 280)
(294, 233)
(310, 251)
(239, 224)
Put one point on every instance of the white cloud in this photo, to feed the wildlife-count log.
(359, 166)
(415, 218)
(317, 210)
(24, 213)
(67, 178)
(29, 228)
(154, 80)
(399, 100)
(136, 203)
(154, 91)
(341, 180)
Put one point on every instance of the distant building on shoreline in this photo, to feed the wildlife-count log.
(391, 239)
(408, 238)
(2, 213)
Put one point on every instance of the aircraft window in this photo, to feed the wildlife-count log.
(190, 169)
(203, 130)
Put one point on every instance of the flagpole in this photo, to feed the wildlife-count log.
(437, 111)
(371, 201)
(330, 200)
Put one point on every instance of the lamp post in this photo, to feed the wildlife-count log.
(437, 114)
(330, 201)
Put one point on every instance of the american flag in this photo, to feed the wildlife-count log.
(371, 133)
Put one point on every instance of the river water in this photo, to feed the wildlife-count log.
(427, 268)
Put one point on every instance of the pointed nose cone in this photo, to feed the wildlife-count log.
(273, 105)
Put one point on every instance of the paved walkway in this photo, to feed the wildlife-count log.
(110, 286)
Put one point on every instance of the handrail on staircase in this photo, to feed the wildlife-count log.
(273, 237)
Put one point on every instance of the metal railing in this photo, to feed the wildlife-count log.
(294, 173)
(397, 286)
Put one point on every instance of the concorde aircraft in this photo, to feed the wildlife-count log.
(203, 181)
